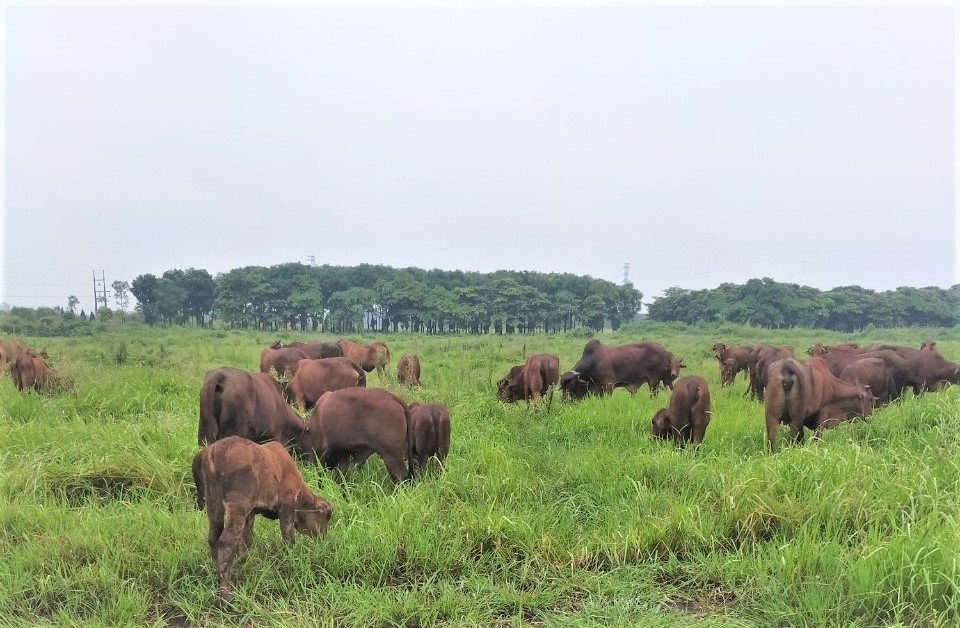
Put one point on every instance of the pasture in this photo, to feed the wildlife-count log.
(572, 517)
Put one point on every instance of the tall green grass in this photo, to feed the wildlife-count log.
(569, 517)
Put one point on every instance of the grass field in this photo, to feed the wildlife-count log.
(572, 517)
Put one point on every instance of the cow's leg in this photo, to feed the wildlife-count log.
(395, 467)
(248, 531)
(696, 435)
(215, 518)
(773, 424)
(287, 528)
(230, 549)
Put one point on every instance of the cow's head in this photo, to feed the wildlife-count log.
(865, 400)
(728, 370)
(276, 345)
(574, 386)
(510, 388)
(719, 350)
(661, 427)
(928, 345)
(817, 350)
(312, 515)
(675, 365)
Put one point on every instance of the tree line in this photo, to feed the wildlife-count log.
(770, 304)
(344, 299)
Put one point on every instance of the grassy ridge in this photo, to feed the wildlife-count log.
(572, 517)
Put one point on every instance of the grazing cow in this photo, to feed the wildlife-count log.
(819, 350)
(9, 347)
(313, 378)
(764, 355)
(237, 480)
(314, 349)
(732, 360)
(282, 361)
(352, 423)
(806, 394)
(688, 414)
(603, 368)
(896, 365)
(431, 434)
(29, 370)
(375, 355)
(873, 373)
(408, 370)
(531, 380)
(929, 370)
(237, 403)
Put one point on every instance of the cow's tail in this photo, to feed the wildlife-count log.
(198, 479)
(361, 375)
(211, 405)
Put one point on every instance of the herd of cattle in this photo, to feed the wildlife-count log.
(248, 428)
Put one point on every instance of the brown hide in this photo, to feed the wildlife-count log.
(282, 364)
(374, 355)
(29, 370)
(408, 370)
(352, 423)
(531, 380)
(238, 479)
(764, 355)
(234, 402)
(806, 394)
(874, 374)
(9, 347)
(313, 378)
(896, 366)
(316, 349)
(431, 434)
(688, 414)
(604, 368)
(732, 360)
(819, 350)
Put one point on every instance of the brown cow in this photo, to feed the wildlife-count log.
(431, 434)
(29, 370)
(238, 479)
(896, 365)
(314, 349)
(819, 350)
(688, 414)
(873, 373)
(603, 368)
(732, 360)
(806, 394)
(408, 370)
(313, 378)
(928, 345)
(374, 355)
(281, 363)
(237, 403)
(764, 355)
(531, 380)
(352, 423)
(9, 347)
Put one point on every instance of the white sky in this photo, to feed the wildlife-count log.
(700, 144)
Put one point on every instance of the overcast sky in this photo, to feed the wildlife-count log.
(699, 145)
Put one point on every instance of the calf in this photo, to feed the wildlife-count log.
(688, 414)
(431, 434)
(234, 402)
(809, 395)
(531, 380)
(408, 370)
(349, 425)
(238, 479)
(29, 370)
(316, 377)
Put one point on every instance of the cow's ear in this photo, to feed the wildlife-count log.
(682, 365)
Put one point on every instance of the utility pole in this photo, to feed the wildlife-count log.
(626, 273)
(99, 290)
(312, 259)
